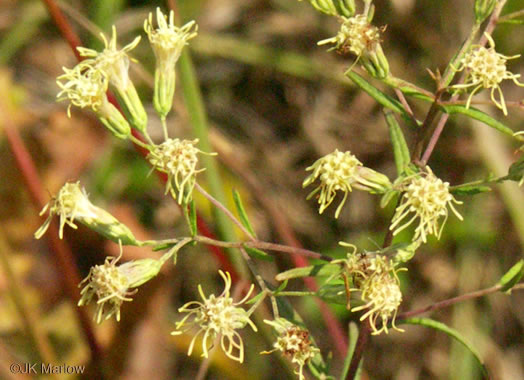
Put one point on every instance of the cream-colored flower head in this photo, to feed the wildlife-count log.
(382, 297)
(72, 204)
(178, 159)
(83, 87)
(168, 40)
(294, 342)
(336, 172)
(486, 69)
(112, 61)
(426, 198)
(356, 35)
(112, 284)
(69, 204)
(86, 86)
(217, 317)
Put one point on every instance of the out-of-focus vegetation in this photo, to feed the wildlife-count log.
(275, 102)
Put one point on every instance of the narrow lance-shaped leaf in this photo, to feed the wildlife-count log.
(400, 147)
(469, 189)
(427, 322)
(192, 218)
(383, 99)
(310, 271)
(478, 115)
(516, 170)
(512, 276)
(258, 254)
(242, 213)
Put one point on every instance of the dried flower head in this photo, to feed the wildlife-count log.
(112, 284)
(294, 342)
(425, 198)
(178, 159)
(217, 317)
(381, 295)
(167, 42)
(486, 69)
(72, 204)
(336, 172)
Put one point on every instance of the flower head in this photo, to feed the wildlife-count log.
(425, 198)
(112, 61)
(336, 171)
(358, 36)
(486, 69)
(168, 40)
(112, 284)
(114, 64)
(342, 171)
(83, 87)
(86, 86)
(177, 158)
(381, 295)
(217, 317)
(72, 204)
(294, 342)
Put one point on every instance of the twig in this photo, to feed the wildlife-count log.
(454, 300)
(224, 209)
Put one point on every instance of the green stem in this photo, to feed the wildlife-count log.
(198, 117)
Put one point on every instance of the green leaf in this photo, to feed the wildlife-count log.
(469, 189)
(427, 322)
(477, 114)
(242, 213)
(281, 287)
(309, 271)
(192, 218)
(516, 170)
(383, 99)
(353, 335)
(400, 147)
(258, 254)
(512, 276)
(333, 293)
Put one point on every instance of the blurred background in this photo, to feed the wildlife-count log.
(276, 102)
